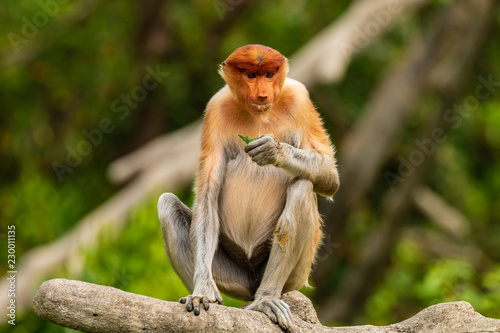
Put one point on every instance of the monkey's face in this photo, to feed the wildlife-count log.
(260, 91)
(255, 75)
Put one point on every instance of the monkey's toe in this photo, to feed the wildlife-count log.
(206, 302)
(189, 304)
(196, 305)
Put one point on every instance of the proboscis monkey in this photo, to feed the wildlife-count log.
(255, 226)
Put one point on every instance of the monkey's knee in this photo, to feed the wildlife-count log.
(301, 192)
(165, 204)
(300, 217)
(167, 216)
(175, 219)
(172, 211)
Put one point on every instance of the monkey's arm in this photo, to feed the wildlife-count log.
(318, 167)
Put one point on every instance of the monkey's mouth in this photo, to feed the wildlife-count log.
(261, 107)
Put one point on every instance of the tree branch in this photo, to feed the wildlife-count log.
(94, 308)
(327, 56)
(161, 150)
(438, 210)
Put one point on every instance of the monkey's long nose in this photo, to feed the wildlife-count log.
(262, 97)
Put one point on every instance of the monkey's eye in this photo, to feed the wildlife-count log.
(269, 75)
(251, 75)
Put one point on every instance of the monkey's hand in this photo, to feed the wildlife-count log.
(265, 150)
(277, 310)
(202, 296)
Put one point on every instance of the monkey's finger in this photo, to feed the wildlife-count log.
(259, 154)
(266, 160)
(268, 157)
(196, 305)
(206, 302)
(189, 305)
(263, 140)
(253, 145)
(260, 146)
(262, 153)
(182, 300)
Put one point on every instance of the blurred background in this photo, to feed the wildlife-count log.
(100, 108)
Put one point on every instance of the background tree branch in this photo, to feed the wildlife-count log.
(326, 57)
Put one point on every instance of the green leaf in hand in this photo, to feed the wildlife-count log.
(247, 139)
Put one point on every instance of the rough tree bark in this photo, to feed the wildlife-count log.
(92, 308)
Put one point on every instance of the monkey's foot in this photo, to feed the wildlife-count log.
(277, 310)
(193, 302)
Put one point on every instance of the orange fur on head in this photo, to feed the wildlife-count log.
(257, 93)
(258, 59)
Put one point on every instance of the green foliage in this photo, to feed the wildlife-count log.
(416, 281)
(247, 139)
(41, 208)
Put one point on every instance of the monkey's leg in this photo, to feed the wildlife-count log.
(296, 230)
(175, 219)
